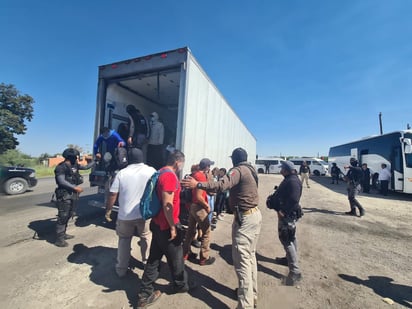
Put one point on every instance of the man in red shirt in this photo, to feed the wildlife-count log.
(167, 235)
(198, 214)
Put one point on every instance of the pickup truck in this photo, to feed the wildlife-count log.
(16, 180)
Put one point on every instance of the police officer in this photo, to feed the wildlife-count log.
(67, 192)
(242, 181)
(285, 201)
(353, 179)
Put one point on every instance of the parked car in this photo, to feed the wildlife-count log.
(16, 180)
(273, 164)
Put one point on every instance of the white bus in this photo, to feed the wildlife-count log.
(394, 149)
(272, 163)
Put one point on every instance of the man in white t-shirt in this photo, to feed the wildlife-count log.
(384, 178)
(129, 185)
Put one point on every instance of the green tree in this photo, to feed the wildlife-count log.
(44, 157)
(14, 157)
(14, 110)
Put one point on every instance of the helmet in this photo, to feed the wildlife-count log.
(70, 153)
(238, 155)
(353, 162)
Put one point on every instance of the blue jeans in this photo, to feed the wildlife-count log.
(211, 201)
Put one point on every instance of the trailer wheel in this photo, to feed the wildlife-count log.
(15, 186)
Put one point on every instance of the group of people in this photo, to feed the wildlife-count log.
(358, 178)
(138, 133)
(163, 235)
(383, 177)
(167, 235)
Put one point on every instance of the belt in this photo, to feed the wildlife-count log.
(250, 211)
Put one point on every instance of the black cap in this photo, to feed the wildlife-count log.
(135, 156)
(239, 155)
(205, 162)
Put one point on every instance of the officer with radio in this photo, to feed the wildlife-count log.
(68, 179)
(285, 200)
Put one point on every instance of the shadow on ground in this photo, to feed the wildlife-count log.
(102, 261)
(341, 188)
(85, 215)
(267, 270)
(383, 286)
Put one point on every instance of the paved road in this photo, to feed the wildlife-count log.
(32, 213)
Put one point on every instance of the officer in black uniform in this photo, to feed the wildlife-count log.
(67, 192)
(285, 200)
(353, 179)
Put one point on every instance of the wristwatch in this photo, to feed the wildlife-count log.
(199, 185)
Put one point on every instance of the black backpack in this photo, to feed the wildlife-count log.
(120, 155)
(186, 196)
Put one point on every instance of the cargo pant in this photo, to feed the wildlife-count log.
(353, 191)
(287, 237)
(245, 235)
(199, 216)
(305, 178)
(125, 229)
(66, 207)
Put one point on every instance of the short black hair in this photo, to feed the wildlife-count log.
(135, 155)
(104, 130)
(175, 156)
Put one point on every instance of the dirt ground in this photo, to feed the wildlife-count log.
(347, 262)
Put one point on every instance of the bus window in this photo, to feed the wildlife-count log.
(408, 160)
(397, 162)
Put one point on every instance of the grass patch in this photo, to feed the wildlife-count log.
(44, 171)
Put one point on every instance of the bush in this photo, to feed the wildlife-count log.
(14, 157)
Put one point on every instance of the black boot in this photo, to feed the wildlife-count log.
(60, 235)
(351, 213)
(67, 236)
(60, 242)
(361, 211)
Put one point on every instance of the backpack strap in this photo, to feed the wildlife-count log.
(168, 170)
(252, 171)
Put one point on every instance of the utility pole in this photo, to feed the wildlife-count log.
(380, 123)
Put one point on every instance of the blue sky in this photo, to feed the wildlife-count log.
(302, 75)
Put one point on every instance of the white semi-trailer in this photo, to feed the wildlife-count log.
(196, 116)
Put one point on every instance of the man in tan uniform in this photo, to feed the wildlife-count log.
(242, 181)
